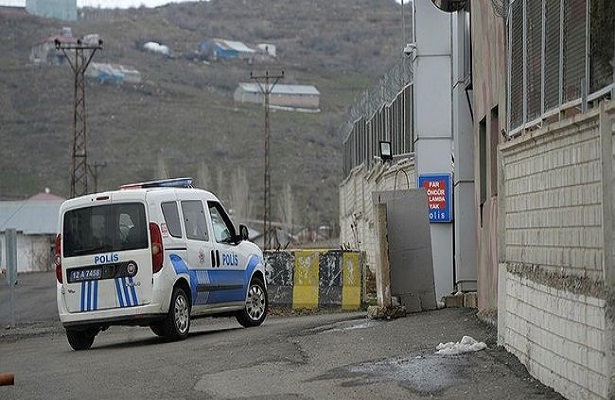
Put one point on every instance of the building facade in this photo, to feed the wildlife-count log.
(543, 128)
(36, 223)
(426, 116)
(291, 96)
(65, 10)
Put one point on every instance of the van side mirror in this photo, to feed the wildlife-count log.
(243, 232)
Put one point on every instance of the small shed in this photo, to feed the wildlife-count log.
(301, 97)
(45, 52)
(159, 48)
(113, 73)
(222, 49)
(36, 223)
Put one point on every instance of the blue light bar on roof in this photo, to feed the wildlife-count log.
(175, 182)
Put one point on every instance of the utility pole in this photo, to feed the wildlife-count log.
(94, 170)
(266, 90)
(83, 53)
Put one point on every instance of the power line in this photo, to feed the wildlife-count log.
(266, 90)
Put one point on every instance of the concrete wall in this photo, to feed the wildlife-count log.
(433, 120)
(357, 219)
(310, 279)
(555, 280)
(34, 252)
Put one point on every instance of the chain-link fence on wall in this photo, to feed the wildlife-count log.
(559, 52)
(383, 112)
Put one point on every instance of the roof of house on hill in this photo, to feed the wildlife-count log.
(36, 216)
(281, 89)
(234, 45)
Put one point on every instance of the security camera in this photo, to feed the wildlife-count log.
(409, 49)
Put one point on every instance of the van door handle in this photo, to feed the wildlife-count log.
(213, 259)
(218, 257)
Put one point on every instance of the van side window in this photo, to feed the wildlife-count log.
(224, 231)
(171, 217)
(194, 220)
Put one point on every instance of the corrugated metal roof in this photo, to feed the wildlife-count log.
(234, 45)
(36, 217)
(282, 89)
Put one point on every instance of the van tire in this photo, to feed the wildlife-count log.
(176, 324)
(157, 329)
(255, 309)
(81, 339)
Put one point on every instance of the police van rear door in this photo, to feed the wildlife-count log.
(106, 255)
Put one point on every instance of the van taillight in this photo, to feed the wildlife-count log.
(58, 257)
(157, 249)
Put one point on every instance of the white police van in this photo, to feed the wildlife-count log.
(153, 254)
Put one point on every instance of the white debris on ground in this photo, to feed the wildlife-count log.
(466, 345)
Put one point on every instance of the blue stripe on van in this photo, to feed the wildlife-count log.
(126, 293)
(118, 289)
(95, 295)
(82, 296)
(89, 295)
(134, 291)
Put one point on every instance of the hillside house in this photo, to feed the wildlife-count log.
(45, 52)
(58, 9)
(113, 73)
(304, 97)
(221, 49)
(267, 48)
(159, 48)
(36, 223)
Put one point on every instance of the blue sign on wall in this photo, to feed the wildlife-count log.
(438, 187)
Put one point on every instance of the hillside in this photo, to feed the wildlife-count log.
(182, 116)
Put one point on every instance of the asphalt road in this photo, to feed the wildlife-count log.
(326, 356)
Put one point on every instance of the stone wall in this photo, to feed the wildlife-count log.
(557, 216)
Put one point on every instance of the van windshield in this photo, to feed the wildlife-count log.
(106, 228)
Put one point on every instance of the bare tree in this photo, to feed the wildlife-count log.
(240, 201)
(163, 171)
(203, 176)
(285, 208)
(220, 189)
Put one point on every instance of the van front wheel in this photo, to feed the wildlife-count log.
(177, 322)
(255, 309)
(81, 339)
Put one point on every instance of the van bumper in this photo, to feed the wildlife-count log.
(138, 315)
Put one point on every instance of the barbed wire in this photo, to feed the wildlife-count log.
(371, 100)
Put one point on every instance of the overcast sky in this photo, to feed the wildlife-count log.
(113, 3)
(103, 3)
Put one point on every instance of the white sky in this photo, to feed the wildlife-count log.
(103, 3)
(114, 3)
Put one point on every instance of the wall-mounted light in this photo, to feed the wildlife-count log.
(386, 153)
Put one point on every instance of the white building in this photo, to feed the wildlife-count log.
(36, 223)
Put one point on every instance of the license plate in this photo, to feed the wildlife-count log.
(85, 274)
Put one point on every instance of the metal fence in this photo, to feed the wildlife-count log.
(560, 55)
(383, 112)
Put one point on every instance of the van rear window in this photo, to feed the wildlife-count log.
(106, 228)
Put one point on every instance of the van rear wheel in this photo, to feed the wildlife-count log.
(176, 324)
(81, 339)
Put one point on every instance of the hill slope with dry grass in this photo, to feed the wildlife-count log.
(182, 117)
